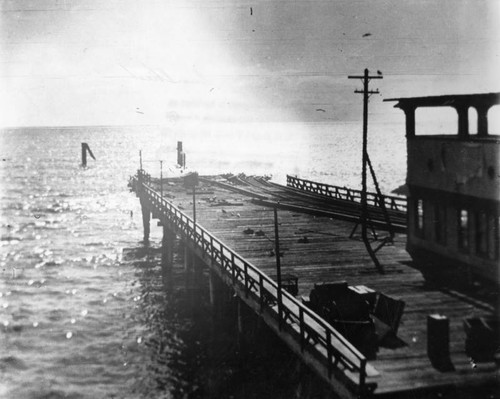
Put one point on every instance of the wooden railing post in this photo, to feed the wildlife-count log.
(344, 193)
(329, 351)
(301, 329)
(233, 268)
(261, 292)
(362, 373)
(280, 312)
(245, 276)
(212, 259)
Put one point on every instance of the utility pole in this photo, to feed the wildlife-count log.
(194, 207)
(278, 265)
(161, 179)
(364, 206)
(191, 180)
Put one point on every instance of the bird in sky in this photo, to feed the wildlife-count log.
(379, 73)
(320, 110)
(367, 34)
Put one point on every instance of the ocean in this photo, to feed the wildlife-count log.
(83, 313)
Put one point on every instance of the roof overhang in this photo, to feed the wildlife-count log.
(455, 100)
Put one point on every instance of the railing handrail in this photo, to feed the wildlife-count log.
(355, 360)
(345, 193)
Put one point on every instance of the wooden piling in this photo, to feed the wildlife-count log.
(240, 316)
(85, 149)
(211, 288)
(240, 332)
(181, 156)
(186, 257)
(167, 256)
(146, 216)
(168, 242)
(84, 155)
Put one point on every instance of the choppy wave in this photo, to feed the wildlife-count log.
(12, 363)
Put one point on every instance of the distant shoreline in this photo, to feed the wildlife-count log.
(69, 127)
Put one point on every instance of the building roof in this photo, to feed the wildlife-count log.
(453, 100)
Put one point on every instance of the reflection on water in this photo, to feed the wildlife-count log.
(195, 351)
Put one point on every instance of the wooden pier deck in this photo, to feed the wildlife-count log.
(235, 235)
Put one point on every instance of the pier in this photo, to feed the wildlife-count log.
(226, 227)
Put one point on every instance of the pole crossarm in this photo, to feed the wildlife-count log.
(363, 76)
(369, 92)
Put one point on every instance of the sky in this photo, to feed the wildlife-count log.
(157, 62)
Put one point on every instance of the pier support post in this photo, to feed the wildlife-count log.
(303, 389)
(189, 259)
(308, 385)
(146, 216)
(240, 316)
(85, 149)
(240, 337)
(167, 255)
(186, 257)
(84, 155)
(181, 156)
(211, 288)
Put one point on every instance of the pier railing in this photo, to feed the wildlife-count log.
(347, 194)
(313, 332)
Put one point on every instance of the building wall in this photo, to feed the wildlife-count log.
(469, 167)
(449, 233)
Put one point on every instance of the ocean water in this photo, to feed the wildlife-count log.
(82, 310)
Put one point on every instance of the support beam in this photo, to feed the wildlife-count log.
(482, 121)
(410, 121)
(463, 121)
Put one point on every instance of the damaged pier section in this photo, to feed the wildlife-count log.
(381, 347)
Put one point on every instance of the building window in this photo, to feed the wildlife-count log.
(497, 237)
(463, 229)
(481, 234)
(419, 217)
(440, 223)
(493, 237)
